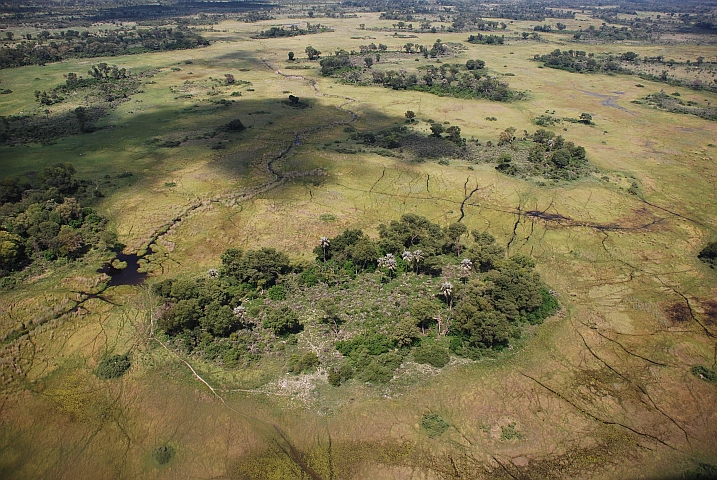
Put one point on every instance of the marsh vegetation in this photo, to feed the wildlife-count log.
(365, 239)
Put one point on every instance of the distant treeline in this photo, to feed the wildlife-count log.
(47, 47)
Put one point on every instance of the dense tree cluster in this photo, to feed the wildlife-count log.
(44, 217)
(455, 80)
(293, 31)
(440, 292)
(548, 154)
(578, 61)
(48, 47)
(480, 39)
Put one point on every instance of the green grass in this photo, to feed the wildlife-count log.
(618, 265)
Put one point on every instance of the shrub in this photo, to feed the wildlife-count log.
(277, 292)
(706, 374)
(709, 254)
(340, 375)
(163, 454)
(302, 364)
(434, 425)
(432, 354)
(283, 321)
(113, 367)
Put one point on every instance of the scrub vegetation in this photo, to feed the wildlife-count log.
(363, 239)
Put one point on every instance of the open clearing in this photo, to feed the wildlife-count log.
(601, 390)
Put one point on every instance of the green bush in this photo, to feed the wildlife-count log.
(709, 254)
(163, 454)
(434, 425)
(340, 375)
(380, 368)
(374, 343)
(302, 364)
(432, 354)
(283, 321)
(706, 374)
(277, 292)
(113, 367)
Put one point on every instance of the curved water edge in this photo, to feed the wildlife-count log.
(129, 275)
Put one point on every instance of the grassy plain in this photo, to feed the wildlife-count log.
(602, 390)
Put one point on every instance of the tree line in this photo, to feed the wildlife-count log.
(48, 47)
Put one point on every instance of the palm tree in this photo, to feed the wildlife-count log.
(407, 257)
(239, 312)
(324, 245)
(417, 257)
(466, 267)
(447, 292)
(213, 273)
(389, 261)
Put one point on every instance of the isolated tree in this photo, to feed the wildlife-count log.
(454, 134)
(454, 232)
(324, 242)
(368, 61)
(437, 129)
(294, 99)
(446, 292)
(291, 56)
(312, 53)
(230, 78)
(507, 136)
(586, 118)
(410, 115)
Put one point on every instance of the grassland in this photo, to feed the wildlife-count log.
(602, 390)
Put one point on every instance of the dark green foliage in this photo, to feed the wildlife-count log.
(410, 232)
(218, 318)
(293, 31)
(406, 333)
(282, 321)
(234, 126)
(706, 374)
(475, 64)
(703, 471)
(113, 367)
(304, 363)
(547, 308)
(335, 64)
(122, 41)
(372, 343)
(340, 375)
(259, 268)
(431, 353)
(44, 217)
(163, 454)
(578, 61)
(461, 81)
(549, 155)
(481, 39)
(709, 254)
(434, 425)
(378, 369)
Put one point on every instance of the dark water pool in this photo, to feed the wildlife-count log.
(129, 275)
